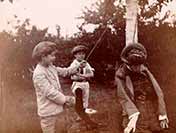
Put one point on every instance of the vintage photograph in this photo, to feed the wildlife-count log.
(87, 66)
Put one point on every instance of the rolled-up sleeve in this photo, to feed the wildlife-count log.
(67, 71)
(48, 90)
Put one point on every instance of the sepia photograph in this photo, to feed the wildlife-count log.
(87, 66)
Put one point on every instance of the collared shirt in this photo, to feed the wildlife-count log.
(80, 84)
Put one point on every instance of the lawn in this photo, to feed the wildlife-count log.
(19, 108)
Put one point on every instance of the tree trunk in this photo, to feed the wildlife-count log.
(131, 21)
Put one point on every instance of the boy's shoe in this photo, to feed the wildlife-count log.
(90, 111)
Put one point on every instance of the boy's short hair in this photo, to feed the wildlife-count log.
(43, 48)
(79, 48)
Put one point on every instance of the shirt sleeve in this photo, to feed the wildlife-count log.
(48, 90)
(63, 71)
(127, 104)
(89, 67)
(67, 71)
(161, 103)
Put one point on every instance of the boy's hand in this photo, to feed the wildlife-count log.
(70, 101)
(82, 64)
(164, 123)
(131, 127)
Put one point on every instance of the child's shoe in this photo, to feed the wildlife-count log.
(90, 111)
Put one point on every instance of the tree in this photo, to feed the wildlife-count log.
(147, 11)
(111, 15)
(113, 11)
(16, 49)
(131, 21)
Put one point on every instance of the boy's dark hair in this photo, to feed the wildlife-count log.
(79, 48)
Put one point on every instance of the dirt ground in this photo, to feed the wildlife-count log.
(18, 112)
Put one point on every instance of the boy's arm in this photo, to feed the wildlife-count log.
(47, 89)
(124, 99)
(67, 71)
(77, 77)
(71, 70)
(161, 107)
(127, 105)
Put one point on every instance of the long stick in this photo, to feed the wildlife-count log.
(96, 44)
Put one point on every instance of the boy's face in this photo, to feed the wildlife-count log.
(49, 59)
(80, 55)
(136, 56)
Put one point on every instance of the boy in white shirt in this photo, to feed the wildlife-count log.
(80, 86)
(50, 97)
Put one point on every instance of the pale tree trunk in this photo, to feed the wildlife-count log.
(131, 21)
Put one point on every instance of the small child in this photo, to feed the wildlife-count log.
(50, 97)
(80, 86)
(142, 100)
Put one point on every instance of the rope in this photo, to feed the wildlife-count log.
(96, 44)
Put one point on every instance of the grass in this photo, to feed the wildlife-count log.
(19, 109)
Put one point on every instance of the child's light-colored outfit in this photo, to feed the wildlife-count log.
(82, 84)
(50, 97)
